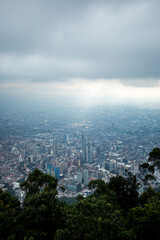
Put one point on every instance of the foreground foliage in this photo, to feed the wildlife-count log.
(94, 218)
(151, 165)
(146, 221)
(114, 211)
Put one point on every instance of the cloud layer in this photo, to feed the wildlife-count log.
(63, 41)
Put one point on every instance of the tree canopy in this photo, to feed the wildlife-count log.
(151, 165)
(114, 211)
(38, 181)
(9, 209)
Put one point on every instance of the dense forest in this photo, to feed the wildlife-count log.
(115, 210)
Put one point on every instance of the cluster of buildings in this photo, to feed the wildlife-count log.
(77, 152)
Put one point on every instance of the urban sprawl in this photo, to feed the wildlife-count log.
(76, 145)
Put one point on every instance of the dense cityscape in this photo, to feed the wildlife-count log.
(75, 144)
(79, 120)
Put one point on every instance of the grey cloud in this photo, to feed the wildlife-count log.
(87, 39)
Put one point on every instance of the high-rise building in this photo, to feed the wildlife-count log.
(79, 177)
(86, 158)
(136, 168)
(30, 158)
(57, 172)
(55, 148)
(90, 152)
(94, 154)
(83, 148)
(98, 150)
(74, 186)
(67, 138)
(113, 166)
(85, 177)
(49, 168)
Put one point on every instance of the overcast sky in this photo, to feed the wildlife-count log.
(105, 48)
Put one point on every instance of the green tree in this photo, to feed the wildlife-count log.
(99, 186)
(145, 196)
(102, 189)
(38, 181)
(151, 165)
(145, 221)
(9, 210)
(93, 218)
(126, 189)
(43, 213)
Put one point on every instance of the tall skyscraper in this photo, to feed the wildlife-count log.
(49, 168)
(83, 148)
(55, 148)
(85, 177)
(86, 157)
(57, 172)
(79, 177)
(90, 152)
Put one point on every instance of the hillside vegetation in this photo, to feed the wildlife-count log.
(115, 211)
